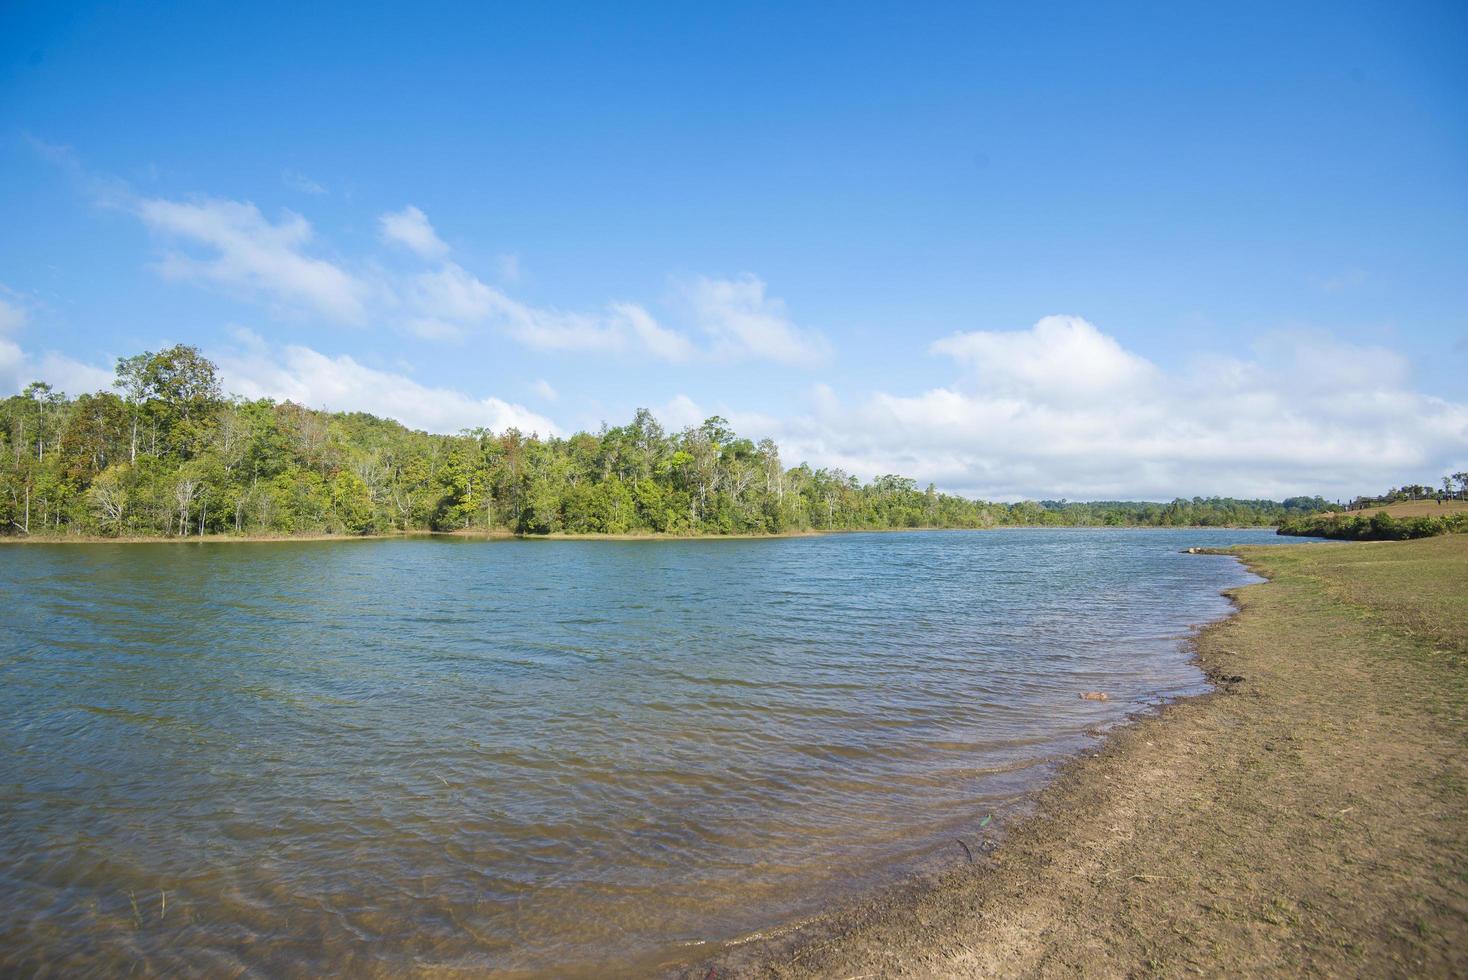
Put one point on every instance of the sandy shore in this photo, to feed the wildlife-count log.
(1307, 817)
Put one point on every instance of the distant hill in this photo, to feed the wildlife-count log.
(1416, 508)
(1390, 522)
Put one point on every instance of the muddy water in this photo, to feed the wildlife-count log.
(543, 757)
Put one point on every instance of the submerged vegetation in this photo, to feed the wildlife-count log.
(166, 454)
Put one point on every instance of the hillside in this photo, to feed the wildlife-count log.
(1415, 508)
(1391, 522)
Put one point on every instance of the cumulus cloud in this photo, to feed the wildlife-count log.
(247, 252)
(744, 323)
(679, 412)
(1061, 356)
(72, 376)
(1063, 410)
(343, 384)
(62, 373)
(17, 368)
(411, 229)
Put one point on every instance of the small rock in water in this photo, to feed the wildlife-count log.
(1095, 696)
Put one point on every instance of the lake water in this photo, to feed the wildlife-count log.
(548, 757)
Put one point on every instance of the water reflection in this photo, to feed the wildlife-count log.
(549, 757)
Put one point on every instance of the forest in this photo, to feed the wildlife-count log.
(167, 454)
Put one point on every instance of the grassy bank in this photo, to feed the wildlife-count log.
(1304, 818)
(1394, 522)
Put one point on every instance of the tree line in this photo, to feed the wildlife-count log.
(1453, 486)
(165, 453)
(1379, 526)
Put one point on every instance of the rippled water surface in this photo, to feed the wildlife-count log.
(554, 757)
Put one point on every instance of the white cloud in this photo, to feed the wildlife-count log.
(679, 413)
(12, 316)
(1060, 357)
(431, 328)
(1304, 413)
(72, 376)
(341, 383)
(250, 254)
(256, 258)
(744, 323)
(453, 294)
(411, 229)
(551, 329)
(669, 345)
(302, 375)
(11, 360)
(1062, 410)
(545, 390)
(62, 373)
(450, 300)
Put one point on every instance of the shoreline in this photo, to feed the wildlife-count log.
(505, 535)
(768, 951)
(1196, 836)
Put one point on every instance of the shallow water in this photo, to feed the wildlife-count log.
(554, 757)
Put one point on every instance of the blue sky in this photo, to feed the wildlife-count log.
(1079, 250)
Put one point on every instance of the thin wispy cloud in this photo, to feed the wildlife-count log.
(301, 183)
(280, 264)
(231, 244)
(411, 229)
(662, 342)
(744, 322)
(13, 316)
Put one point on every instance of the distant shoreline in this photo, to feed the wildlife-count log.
(503, 535)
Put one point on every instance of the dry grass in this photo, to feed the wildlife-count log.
(1421, 591)
(1416, 508)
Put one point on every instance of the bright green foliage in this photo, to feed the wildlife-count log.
(170, 456)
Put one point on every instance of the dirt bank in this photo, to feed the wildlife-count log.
(1307, 817)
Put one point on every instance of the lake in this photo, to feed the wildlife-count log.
(540, 757)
